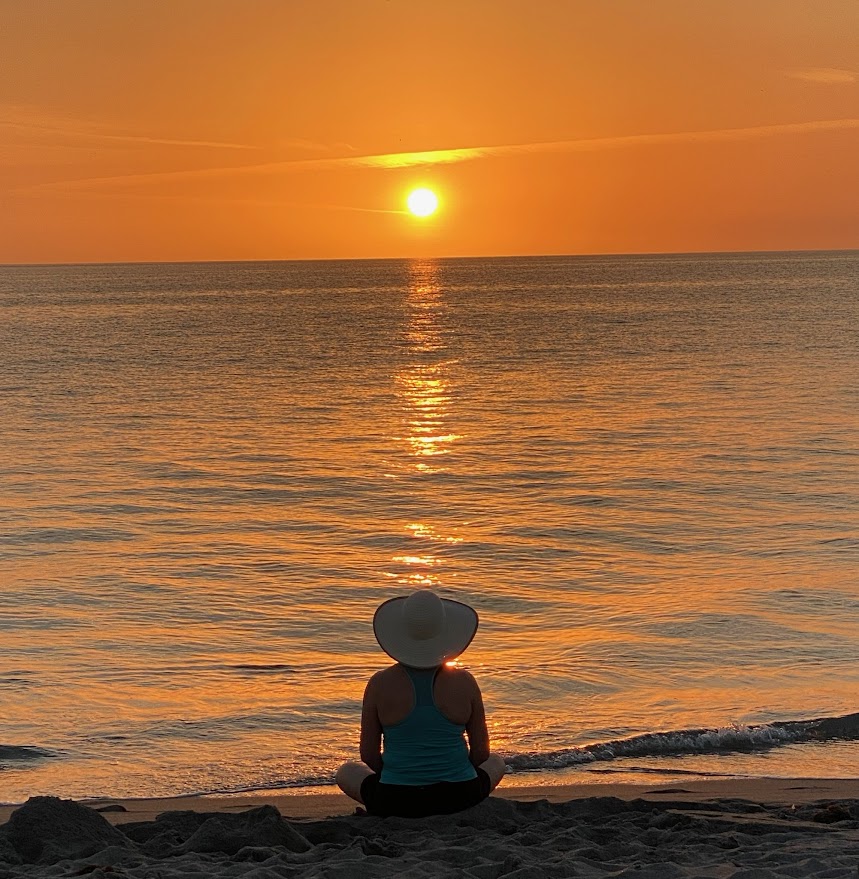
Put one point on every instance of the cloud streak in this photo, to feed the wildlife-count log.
(122, 138)
(404, 160)
(389, 161)
(233, 201)
(823, 75)
(32, 121)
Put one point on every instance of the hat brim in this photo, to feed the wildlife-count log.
(460, 626)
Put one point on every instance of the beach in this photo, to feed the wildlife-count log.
(732, 828)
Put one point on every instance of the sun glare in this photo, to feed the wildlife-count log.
(422, 202)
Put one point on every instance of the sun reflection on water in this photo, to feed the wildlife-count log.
(424, 388)
(426, 531)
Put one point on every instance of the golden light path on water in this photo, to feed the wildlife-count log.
(425, 391)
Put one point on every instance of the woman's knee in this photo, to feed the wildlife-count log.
(495, 767)
(349, 777)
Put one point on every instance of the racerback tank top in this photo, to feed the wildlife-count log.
(425, 747)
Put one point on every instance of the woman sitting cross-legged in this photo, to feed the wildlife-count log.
(422, 709)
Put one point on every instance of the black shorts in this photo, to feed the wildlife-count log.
(420, 800)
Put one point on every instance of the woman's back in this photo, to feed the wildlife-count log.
(453, 694)
(423, 714)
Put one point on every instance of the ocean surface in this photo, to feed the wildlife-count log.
(642, 471)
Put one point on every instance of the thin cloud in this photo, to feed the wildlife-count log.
(435, 157)
(97, 195)
(427, 157)
(824, 75)
(404, 160)
(37, 122)
(123, 138)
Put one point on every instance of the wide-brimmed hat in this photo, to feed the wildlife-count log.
(422, 630)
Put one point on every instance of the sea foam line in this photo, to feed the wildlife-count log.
(675, 743)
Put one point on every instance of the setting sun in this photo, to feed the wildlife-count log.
(422, 202)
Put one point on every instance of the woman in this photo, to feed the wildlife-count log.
(422, 709)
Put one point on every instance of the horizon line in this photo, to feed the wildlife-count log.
(152, 262)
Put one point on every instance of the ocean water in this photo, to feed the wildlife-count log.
(643, 472)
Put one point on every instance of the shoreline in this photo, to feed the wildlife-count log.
(327, 802)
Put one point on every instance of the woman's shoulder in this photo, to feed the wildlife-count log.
(386, 676)
(459, 677)
(397, 674)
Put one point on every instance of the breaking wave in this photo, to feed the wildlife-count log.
(723, 740)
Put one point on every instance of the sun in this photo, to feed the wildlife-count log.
(422, 202)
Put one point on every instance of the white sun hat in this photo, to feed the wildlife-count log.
(422, 630)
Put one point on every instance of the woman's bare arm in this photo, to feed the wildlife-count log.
(478, 734)
(371, 729)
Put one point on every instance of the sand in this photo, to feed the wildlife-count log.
(718, 828)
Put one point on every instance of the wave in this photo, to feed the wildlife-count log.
(14, 754)
(677, 743)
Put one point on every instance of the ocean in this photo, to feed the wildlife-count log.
(642, 472)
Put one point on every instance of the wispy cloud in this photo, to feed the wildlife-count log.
(38, 123)
(404, 160)
(123, 138)
(215, 199)
(824, 75)
(426, 157)
(465, 154)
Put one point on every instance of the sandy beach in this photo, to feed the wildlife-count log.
(719, 828)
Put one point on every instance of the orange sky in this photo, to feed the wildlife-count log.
(240, 129)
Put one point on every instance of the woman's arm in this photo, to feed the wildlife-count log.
(478, 734)
(371, 729)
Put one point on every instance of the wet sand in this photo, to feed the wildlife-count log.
(304, 803)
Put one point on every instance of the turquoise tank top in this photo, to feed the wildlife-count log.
(425, 747)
